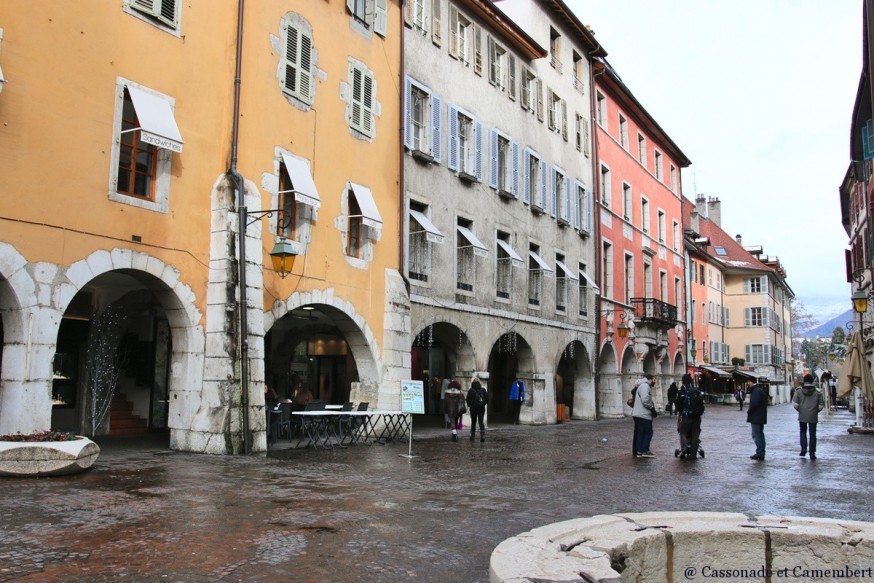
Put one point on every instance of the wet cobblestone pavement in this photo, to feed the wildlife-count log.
(144, 513)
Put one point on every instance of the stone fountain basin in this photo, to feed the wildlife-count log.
(28, 459)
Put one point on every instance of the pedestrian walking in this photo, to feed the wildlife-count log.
(808, 401)
(757, 417)
(644, 412)
(690, 409)
(740, 395)
(517, 397)
(477, 399)
(673, 392)
(454, 403)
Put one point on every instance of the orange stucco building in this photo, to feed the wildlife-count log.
(162, 111)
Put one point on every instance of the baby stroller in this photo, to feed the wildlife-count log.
(690, 444)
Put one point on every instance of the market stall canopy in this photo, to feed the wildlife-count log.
(717, 372)
(856, 370)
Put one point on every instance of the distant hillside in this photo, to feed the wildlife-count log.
(827, 328)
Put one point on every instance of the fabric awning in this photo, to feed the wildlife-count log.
(432, 233)
(515, 259)
(745, 375)
(566, 273)
(478, 247)
(302, 183)
(540, 262)
(157, 122)
(591, 282)
(716, 371)
(369, 213)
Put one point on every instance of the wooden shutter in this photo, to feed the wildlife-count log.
(477, 50)
(298, 60)
(493, 158)
(511, 77)
(435, 22)
(453, 138)
(564, 119)
(542, 165)
(478, 149)
(514, 168)
(525, 90)
(408, 12)
(538, 86)
(367, 104)
(453, 31)
(526, 177)
(493, 60)
(566, 184)
(408, 114)
(576, 205)
(436, 135)
(380, 21)
(553, 191)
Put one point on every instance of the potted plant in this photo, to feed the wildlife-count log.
(46, 453)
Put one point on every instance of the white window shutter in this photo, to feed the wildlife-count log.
(453, 138)
(493, 158)
(408, 114)
(435, 22)
(436, 135)
(380, 21)
(514, 168)
(162, 10)
(493, 60)
(292, 60)
(350, 5)
(478, 149)
(748, 317)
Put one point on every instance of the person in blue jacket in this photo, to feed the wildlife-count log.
(517, 397)
(757, 417)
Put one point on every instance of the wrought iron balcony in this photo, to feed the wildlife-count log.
(650, 310)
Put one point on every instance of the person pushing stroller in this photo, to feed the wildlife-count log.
(690, 407)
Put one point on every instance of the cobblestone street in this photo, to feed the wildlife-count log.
(368, 514)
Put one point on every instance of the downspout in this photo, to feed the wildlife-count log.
(402, 219)
(596, 211)
(237, 179)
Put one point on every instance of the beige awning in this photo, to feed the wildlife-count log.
(304, 188)
(157, 122)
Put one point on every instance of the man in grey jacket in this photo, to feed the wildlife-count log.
(643, 413)
(808, 401)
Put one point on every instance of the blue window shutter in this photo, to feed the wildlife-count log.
(493, 158)
(436, 135)
(542, 185)
(747, 354)
(566, 183)
(526, 177)
(514, 168)
(553, 191)
(453, 138)
(575, 207)
(588, 212)
(478, 149)
(408, 114)
(748, 317)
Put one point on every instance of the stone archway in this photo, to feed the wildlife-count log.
(511, 358)
(631, 373)
(610, 383)
(442, 350)
(577, 380)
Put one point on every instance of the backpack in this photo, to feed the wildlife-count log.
(476, 398)
(694, 403)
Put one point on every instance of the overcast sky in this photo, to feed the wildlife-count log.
(758, 94)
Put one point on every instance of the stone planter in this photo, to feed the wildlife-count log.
(28, 459)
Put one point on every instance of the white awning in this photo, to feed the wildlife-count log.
(478, 247)
(432, 233)
(303, 187)
(591, 282)
(369, 212)
(514, 257)
(567, 272)
(157, 123)
(539, 260)
(2, 80)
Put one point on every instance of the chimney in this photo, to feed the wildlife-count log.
(739, 239)
(701, 205)
(693, 221)
(714, 211)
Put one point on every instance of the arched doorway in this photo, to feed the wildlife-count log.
(609, 383)
(440, 351)
(511, 358)
(631, 373)
(575, 383)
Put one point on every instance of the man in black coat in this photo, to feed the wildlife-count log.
(757, 417)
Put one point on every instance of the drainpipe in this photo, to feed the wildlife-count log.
(238, 181)
(596, 210)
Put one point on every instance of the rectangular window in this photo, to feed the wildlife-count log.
(297, 75)
(583, 290)
(465, 144)
(601, 110)
(561, 195)
(663, 286)
(422, 235)
(754, 317)
(354, 225)
(647, 280)
(363, 100)
(423, 121)
(137, 159)
(644, 215)
(623, 131)
(535, 173)
(561, 284)
(607, 269)
(628, 278)
(460, 37)
(605, 186)
(536, 269)
(505, 260)
(673, 178)
(504, 160)
(584, 208)
(661, 226)
(467, 246)
(579, 73)
(497, 64)
(676, 235)
(161, 12)
(641, 149)
(626, 201)
(418, 16)
(659, 171)
(555, 49)
(753, 285)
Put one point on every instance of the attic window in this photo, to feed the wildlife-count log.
(721, 251)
